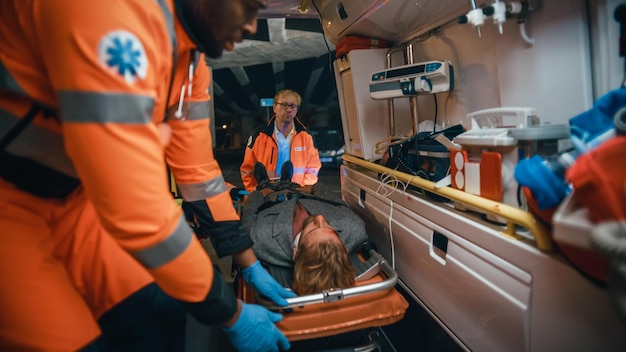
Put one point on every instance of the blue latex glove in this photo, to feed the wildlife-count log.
(257, 277)
(255, 330)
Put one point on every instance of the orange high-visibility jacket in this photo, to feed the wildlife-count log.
(105, 70)
(262, 147)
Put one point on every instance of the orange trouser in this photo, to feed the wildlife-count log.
(59, 272)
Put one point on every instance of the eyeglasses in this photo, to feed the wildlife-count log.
(288, 106)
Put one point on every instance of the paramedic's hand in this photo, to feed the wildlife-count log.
(254, 330)
(257, 277)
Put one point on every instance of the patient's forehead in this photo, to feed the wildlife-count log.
(309, 219)
(320, 234)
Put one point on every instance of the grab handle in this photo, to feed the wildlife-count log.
(439, 247)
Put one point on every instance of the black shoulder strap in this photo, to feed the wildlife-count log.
(20, 126)
(324, 200)
(281, 196)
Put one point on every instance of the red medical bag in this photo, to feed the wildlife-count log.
(599, 179)
(352, 42)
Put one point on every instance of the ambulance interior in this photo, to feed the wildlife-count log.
(470, 247)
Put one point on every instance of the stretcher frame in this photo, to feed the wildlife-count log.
(374, 302)
(377, 264)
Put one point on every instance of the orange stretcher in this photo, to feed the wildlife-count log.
(373, 302)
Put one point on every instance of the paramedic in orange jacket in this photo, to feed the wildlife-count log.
(283, 138)
(88, 223)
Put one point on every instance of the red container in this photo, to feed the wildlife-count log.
(352, 42)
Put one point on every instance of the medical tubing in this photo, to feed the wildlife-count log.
(522, 31)
(382, 145)
(392, 242)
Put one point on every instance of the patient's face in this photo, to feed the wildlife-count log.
(321, 260)
(316, 229)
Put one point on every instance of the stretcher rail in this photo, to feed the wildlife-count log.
(333, 295)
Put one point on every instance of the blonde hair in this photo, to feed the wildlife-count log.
(321, 266)
(285, 92)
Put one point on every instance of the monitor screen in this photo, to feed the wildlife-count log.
(405, 71)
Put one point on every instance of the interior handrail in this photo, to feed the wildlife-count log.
(512, 215)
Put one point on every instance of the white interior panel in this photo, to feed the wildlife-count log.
(484, 305)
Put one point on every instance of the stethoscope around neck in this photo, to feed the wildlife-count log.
(182, 111)
(186, 90)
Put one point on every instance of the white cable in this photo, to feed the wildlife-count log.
(386, 179)
(383, 181)
(522, 30)
(191, 69)
(383, 144)
(179, 112)
(393, 247)
(380, 185)
(408, 183)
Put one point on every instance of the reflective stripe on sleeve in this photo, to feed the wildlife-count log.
(105, 108)
(299, 170)
(198, 110)
(169, 20)
(312, 170)
(167, 250)
(201, 191)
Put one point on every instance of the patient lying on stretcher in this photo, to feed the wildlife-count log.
(293, 228)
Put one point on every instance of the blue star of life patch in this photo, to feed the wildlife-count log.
(123, 53)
